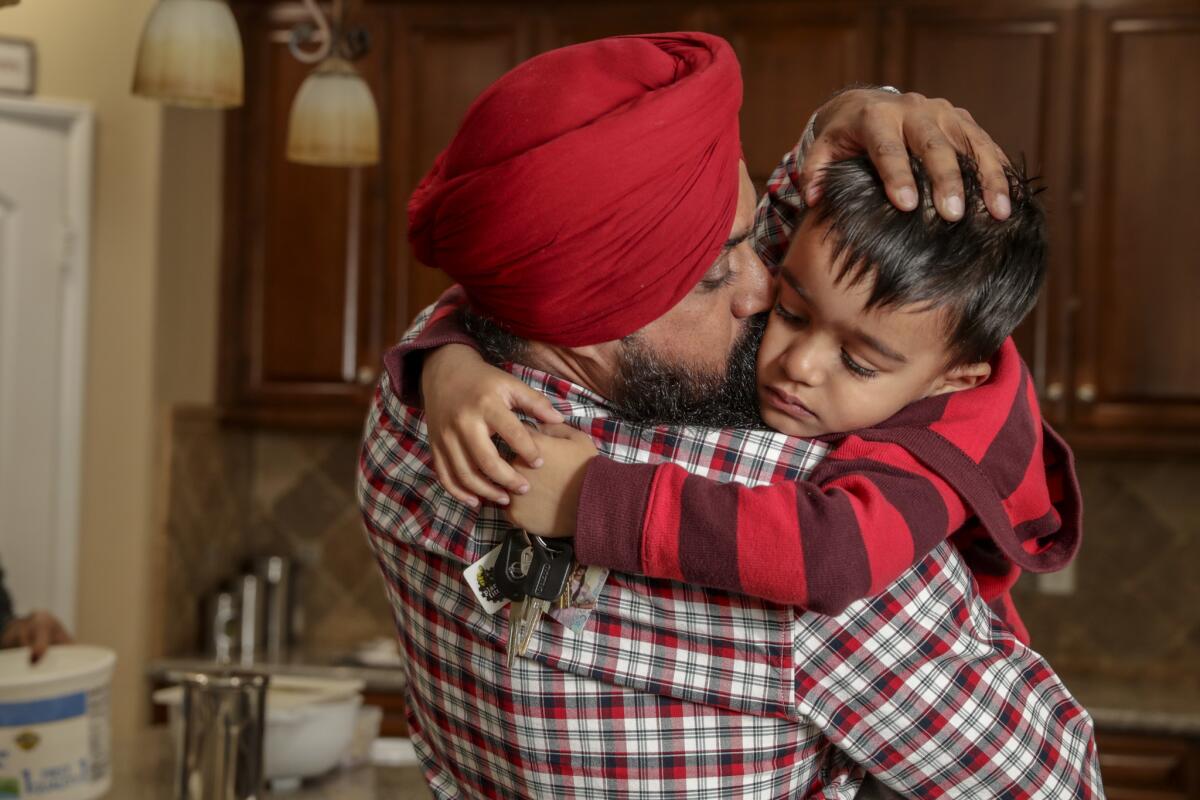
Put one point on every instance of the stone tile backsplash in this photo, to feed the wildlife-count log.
(1135, 612)
(235, 494)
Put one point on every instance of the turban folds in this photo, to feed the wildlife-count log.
(590, 188)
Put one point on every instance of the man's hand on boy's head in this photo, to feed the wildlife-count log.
(886, 127)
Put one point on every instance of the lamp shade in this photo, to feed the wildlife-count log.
(334, 121)
(190, 55)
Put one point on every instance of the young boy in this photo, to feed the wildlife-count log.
(889, 341)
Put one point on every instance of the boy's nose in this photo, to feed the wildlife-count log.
(802, 364)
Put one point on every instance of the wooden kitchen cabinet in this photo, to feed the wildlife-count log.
(1141, 766)
(1011, 65)
(443, 59)
(794, 56)
(319, 279)
(1137, 359)
(303, 317)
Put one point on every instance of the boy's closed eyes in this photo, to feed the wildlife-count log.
(828, 363)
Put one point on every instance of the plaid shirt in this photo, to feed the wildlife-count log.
(677, 691)
(672, 690)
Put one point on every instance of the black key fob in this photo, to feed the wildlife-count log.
(550, 568)
(512, 565)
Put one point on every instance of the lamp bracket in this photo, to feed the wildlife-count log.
(331, 38)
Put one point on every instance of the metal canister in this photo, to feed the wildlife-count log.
(221, 618)
(221, 752)
(275, 577)
(249, 618)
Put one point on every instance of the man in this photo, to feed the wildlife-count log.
(594, 196)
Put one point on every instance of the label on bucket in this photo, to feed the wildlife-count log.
(56, 747)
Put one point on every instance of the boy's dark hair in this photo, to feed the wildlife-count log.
(986, 273)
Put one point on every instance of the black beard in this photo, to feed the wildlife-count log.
(650, 391)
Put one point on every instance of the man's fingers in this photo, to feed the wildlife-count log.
(820, 155)
(446, 477)
(883, 139)
(536, 405)
(939, 156)
(990, 161)
(469, 478)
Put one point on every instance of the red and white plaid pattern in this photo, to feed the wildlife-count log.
(676, 691)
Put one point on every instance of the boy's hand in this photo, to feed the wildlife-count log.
(550, 505)
(886, 126)
(466, 401)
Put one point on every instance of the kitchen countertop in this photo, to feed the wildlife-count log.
(1139, 705)
(144, 768)
(1133, 705)
(377, 679)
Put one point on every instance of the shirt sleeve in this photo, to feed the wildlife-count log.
(929, 691)
(404, 361)
(868, 512)
(780, 208)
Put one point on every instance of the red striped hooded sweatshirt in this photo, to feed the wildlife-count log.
(979, 467)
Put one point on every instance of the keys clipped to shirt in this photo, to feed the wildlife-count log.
(534, 573)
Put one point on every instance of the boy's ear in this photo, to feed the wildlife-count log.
(964, 376)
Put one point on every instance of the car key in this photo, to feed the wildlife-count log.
(545, 582)
(516, 631)
(512, 564)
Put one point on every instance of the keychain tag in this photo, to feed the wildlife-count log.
(481, 578)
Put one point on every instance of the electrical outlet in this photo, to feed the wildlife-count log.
(1061, 582)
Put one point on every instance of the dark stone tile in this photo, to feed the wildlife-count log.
(309, 507)
(345, 556)
(340, 463)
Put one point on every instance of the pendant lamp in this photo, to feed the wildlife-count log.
(334, 121)
(190, 55)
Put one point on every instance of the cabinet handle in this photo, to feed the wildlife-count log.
(1085, 393)
(367, 375)
(1054, 391)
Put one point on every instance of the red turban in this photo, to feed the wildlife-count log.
(590, 188)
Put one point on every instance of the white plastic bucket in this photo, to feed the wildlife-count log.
(54, 723)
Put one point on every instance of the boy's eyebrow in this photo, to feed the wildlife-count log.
(865, 338)
(879, 347)
(791, 281)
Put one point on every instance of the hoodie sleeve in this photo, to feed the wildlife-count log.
(881, 500)
(404, 361)
(868, 513)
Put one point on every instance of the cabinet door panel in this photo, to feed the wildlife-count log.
(443, 61)
(793, 57)
(568, 24)
(1011, 67)
(299, 260)
(1139, 334)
